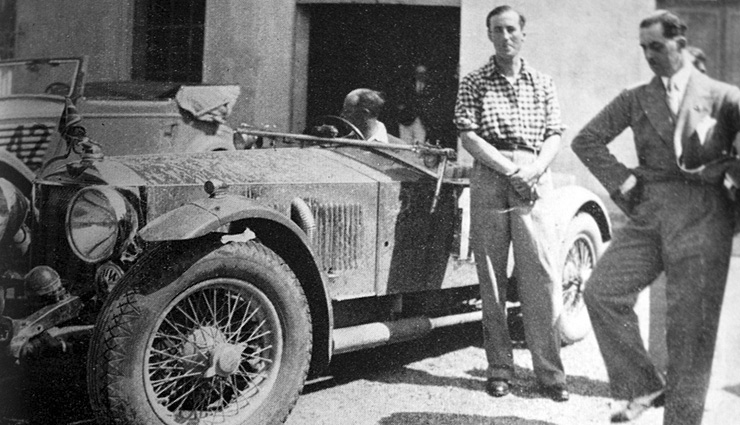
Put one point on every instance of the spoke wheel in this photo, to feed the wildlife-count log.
(215, 353)
(579, 263)
(222, 335)
(583, 247)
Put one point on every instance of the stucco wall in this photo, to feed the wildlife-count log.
(590, 48)
(250, 43)
(98, 28)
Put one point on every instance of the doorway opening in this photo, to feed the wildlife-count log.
(378, 47)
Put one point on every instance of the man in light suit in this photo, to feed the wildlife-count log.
(681, 222)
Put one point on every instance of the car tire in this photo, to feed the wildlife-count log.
(223, 336)
(583, 246)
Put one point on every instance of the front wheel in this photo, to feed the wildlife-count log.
(228, 341)
(583, 247)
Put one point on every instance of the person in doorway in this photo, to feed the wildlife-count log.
(414, 106)
(680, 222)
(443, 130)
(425, 107)
(508, 117)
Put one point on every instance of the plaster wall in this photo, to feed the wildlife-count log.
(591, 50)
(100, 29)
(251, 43)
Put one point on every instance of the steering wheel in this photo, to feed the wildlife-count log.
(58, 88)
(346, 129)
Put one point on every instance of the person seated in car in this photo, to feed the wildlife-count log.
(362, 107)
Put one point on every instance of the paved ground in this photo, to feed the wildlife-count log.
(723, 401)
(436, 381)
(421, 384)
(446, 387)
(440, 381)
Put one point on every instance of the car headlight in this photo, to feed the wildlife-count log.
(100, 223)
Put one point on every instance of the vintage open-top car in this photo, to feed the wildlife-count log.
(214, 283)
(126, 117)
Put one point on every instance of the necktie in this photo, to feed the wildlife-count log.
(672, 96)
(687, 150)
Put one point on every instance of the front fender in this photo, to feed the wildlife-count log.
(277, 232)
(203, 216)
(567, 201)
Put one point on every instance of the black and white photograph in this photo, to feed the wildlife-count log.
(371, 212)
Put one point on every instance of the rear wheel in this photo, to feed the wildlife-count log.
(227, 342)
(584, 246)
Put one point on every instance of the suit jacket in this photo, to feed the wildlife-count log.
(708, 120)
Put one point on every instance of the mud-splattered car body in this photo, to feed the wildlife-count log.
(213, 283)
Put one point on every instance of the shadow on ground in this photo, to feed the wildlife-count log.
(45, 391)
(733, 389)
(427, 418)
(389, 365)
(525, 385)
(376, 363)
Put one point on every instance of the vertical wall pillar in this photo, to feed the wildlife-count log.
(251, 43)
(300, 70)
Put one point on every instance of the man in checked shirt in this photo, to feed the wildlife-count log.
(508, 117)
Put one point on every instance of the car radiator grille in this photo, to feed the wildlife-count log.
(27, 142)
(50, 245)
(339, 234)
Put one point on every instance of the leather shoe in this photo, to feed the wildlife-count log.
(638, 406)
(555, 392)
(497, 387)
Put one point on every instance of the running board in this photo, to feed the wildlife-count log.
(381, 333)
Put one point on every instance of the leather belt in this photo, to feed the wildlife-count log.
(504, 146)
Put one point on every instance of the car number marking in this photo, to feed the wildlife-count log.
(28, 143)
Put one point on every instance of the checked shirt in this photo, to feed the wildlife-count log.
(525, 113)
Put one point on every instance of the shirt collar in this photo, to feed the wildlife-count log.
(492, 69)
(680, 79)
(379, 135)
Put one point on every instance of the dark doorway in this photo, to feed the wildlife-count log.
(7, 28)
(377, 47)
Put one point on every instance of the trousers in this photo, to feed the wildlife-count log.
(530, 232)
(684, 229)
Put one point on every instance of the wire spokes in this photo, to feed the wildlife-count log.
(211, 352)
(578, 266)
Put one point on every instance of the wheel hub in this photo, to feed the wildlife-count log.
(207, 351)
(197, 350)
(225, 359)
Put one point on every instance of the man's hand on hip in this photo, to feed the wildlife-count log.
(629, 195)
